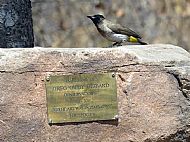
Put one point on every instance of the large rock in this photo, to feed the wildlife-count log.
(153, 88)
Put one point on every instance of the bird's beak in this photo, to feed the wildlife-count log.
(90, 17)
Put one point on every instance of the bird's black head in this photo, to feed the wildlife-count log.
(96, 19)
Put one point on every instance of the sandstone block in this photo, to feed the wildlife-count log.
(153, 90)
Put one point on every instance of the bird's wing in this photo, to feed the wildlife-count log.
(122, 30)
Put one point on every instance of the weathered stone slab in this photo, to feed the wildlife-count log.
(152, 86)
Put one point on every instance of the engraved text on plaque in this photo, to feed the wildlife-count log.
(82, 97)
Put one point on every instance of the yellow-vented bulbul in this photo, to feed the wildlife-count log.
(115, 32)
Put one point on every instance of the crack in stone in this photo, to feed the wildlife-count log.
(181, 85)
(180, 136)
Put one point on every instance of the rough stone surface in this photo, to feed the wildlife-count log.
(153, 84)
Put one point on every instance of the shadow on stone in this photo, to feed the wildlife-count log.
(108, 122)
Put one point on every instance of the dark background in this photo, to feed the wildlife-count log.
(63, 23)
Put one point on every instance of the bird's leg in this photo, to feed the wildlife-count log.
(119, 44)
(115, 43)
(112, 45)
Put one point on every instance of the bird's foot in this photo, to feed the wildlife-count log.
(117, 44)
(114, 45)
(110, 46)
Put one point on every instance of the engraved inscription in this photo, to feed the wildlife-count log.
(78, 87)
(82, 107)
(82, 115)
(83, 97)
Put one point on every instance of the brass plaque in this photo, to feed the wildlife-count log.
(82, 97)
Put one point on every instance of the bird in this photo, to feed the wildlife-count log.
(115, 32)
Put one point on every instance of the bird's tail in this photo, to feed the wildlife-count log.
(141, 42)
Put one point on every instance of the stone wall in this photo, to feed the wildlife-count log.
(153, 89)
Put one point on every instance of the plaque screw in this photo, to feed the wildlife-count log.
(116, 117)
(50, 121)
(113, 75)
(47, 78)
